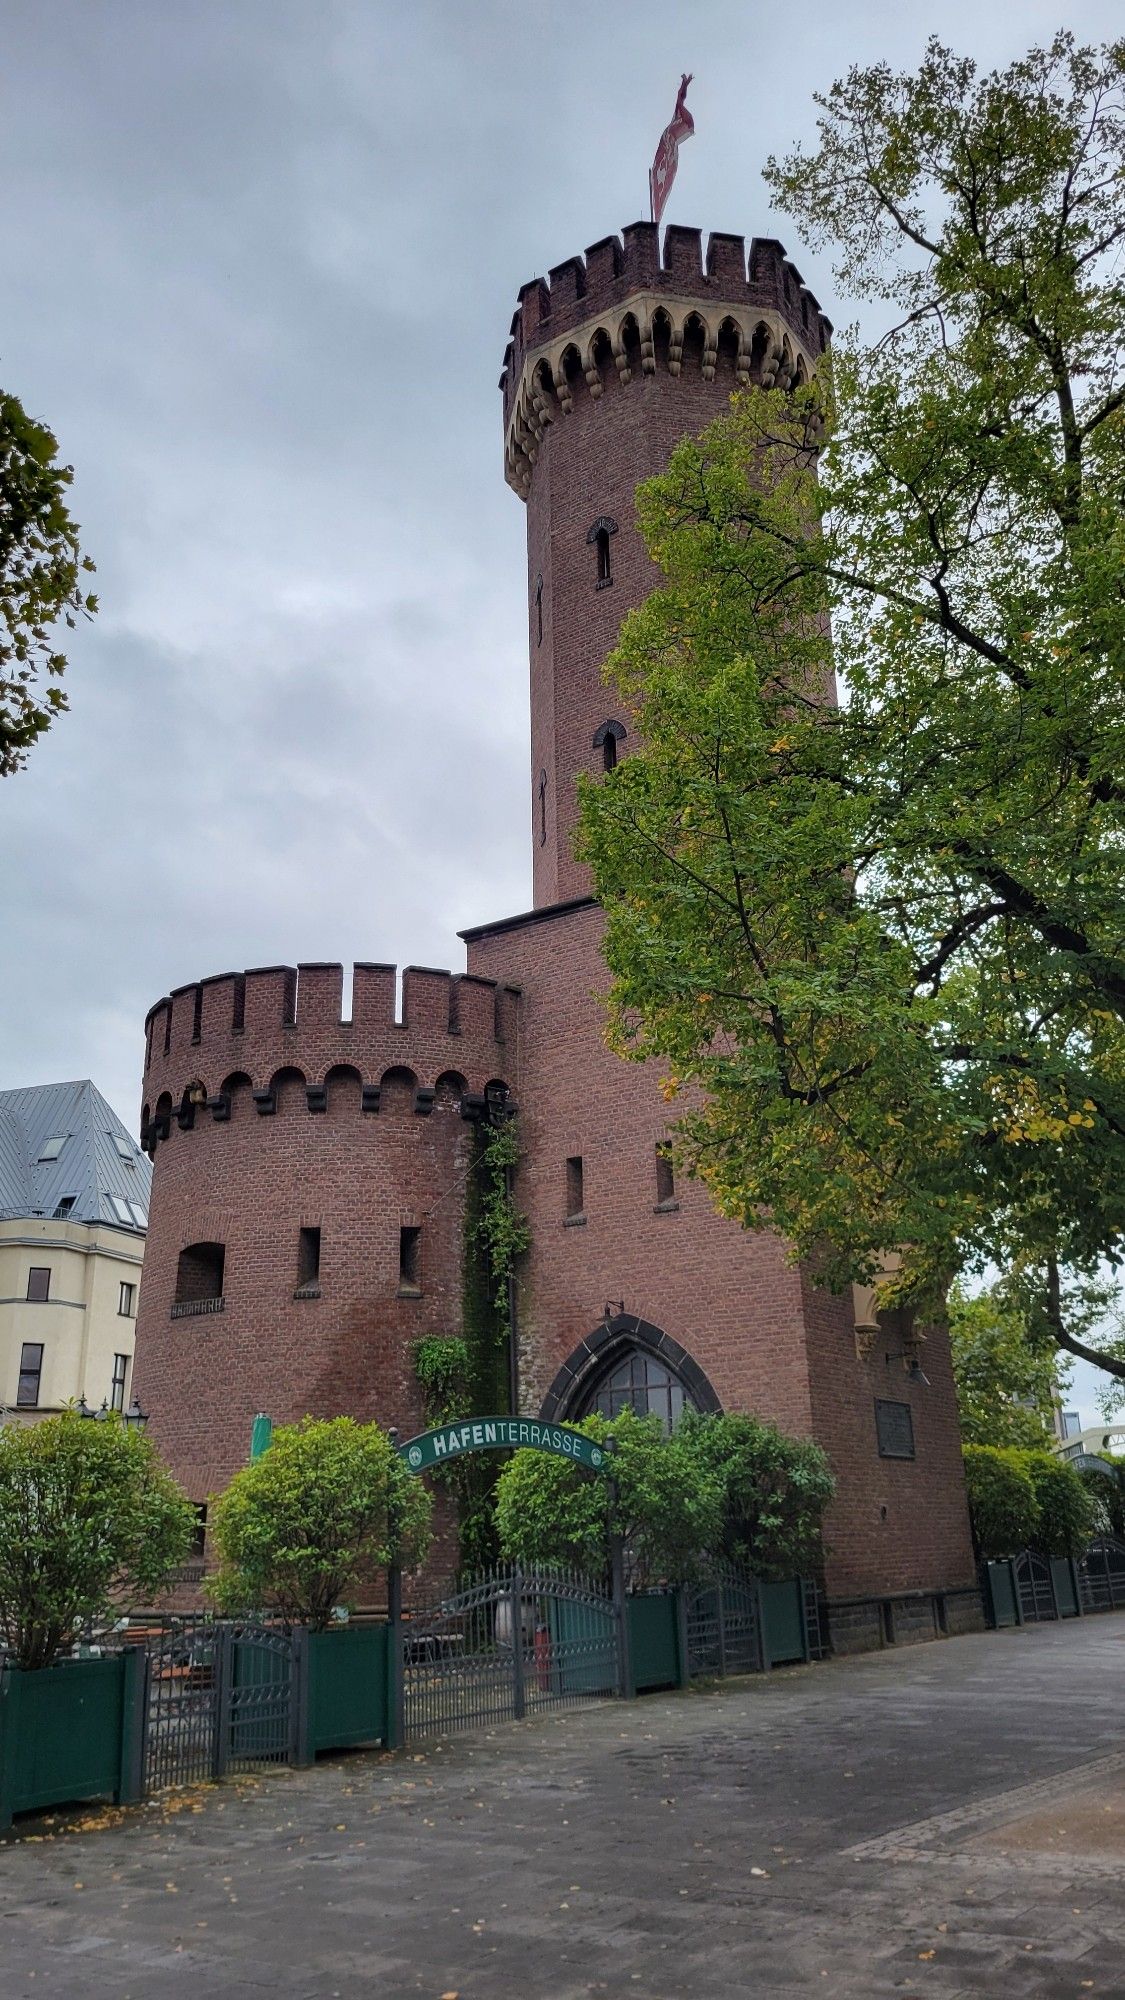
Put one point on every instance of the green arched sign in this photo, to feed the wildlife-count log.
(502, 1434)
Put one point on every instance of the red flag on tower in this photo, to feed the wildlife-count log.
(668, 153)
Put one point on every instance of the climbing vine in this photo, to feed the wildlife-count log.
(500, 1229)
(467, 1375)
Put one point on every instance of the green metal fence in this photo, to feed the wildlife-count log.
(1030, 1588)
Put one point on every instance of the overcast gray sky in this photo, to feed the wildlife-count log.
(259, 259)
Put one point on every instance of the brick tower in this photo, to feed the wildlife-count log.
(311, 1161)
(610, 363)
(634, 1286)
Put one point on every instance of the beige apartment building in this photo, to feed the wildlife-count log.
(74, 1192)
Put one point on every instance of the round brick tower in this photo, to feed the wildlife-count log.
(610, 363)
(306, 1226)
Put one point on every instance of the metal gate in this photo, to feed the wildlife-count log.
(736, 1624)
(1101, 1573)
(506, 1644)
(221, 1697)
(724, 1628)
(1033, 1582)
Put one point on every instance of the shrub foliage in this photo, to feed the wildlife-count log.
(719, 1487)
(297, 1529)
(1026, 1499)
(90, 1520)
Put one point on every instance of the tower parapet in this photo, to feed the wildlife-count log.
(623, 309)
(288, 1021)
(612, 359)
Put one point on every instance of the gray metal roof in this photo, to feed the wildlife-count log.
(99, 1167)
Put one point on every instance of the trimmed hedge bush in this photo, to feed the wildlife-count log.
(1026, 1499)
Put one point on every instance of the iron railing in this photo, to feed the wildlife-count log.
(222, 1695)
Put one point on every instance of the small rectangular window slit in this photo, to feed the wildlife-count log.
(575, 1199)
(308, 1260)
(665, 1178)
(410, 1260)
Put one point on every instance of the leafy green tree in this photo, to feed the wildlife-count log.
(41, 571)
(668, 1507)
(1067, 1515)
(773, 1489)
(89, 1521)
(300, 1527)
(1006, 1381)
(877, 947)
(1002, 1506)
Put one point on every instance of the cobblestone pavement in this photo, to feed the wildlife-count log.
(939, 1822)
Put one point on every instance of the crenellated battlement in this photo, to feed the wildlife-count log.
(252, 1028)
(622, 290)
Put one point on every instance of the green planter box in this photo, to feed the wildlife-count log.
(1062, 1581)
(654, 1640)
(784, 1638)
(1003, 1603)
(70, 1732)
(347, 1688)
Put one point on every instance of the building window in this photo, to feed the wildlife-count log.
(597, 535)
(410, 1260)
(125, 1149)
(894, 1427)
(51, 1148)
(31, 1370)
(199, 1278)
(198, 1542)
(542, 808)
(117, 1385)
(575, 1197)
(308, 1259)
(64, 1207)
(644, 1384)
(539, 610)
(39, 1284)
(126, 1301)
(665, 1177)
(607, 736)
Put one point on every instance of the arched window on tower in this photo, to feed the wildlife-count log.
(598, 535)
(640, 1382)
(607, 736)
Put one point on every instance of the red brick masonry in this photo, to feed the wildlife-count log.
(268, 1114)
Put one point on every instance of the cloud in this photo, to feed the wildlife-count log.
(261, 262)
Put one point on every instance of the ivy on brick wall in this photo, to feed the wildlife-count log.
(468, 1375)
